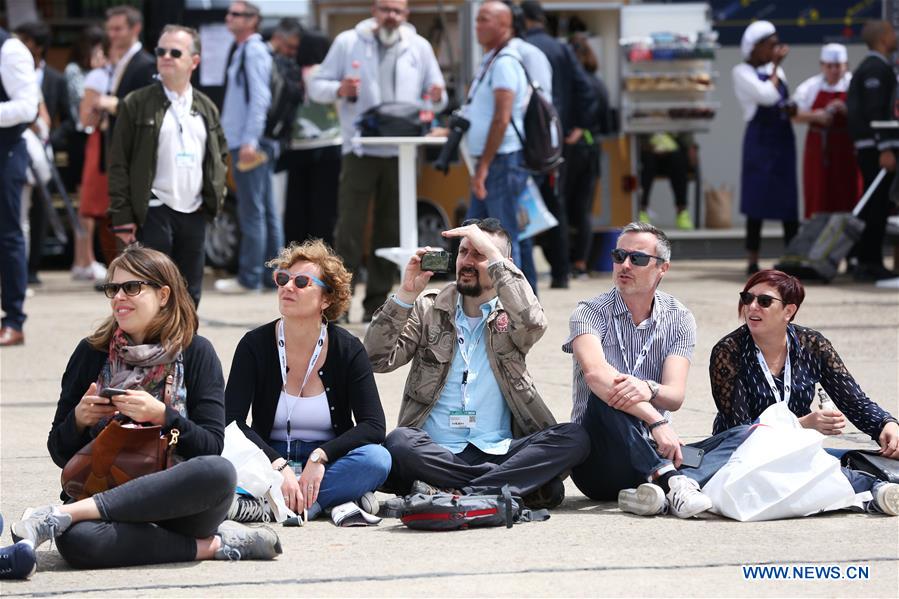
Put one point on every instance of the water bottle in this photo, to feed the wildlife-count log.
(426, 113)
(825, 404)
(355, 73)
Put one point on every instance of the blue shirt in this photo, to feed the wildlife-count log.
(505, 73)
(244, 122)
(492, 432)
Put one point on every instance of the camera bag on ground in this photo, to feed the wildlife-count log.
(870, 461)
(447, 511)
(825, 240)
(391, 119)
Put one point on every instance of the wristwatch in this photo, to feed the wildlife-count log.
(317, 457)
(653, 388)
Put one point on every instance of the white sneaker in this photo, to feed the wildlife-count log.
(646, 500)
(886, 498)
(97, 271)
(369, 503)
(684, 497)
(82, 273)
(233, 287)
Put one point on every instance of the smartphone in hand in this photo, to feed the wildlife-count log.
(110, 392)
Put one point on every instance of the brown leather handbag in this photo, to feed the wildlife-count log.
(121, 452)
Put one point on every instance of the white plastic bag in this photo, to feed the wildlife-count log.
(254, 471)
(780, 471)
(539, 218)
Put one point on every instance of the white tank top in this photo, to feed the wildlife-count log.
(310, 418)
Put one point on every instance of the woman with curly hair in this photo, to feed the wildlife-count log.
(315, 407)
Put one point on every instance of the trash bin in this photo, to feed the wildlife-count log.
(603, 244)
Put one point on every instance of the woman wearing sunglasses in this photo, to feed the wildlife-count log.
(315, 407)
(770, 359)
(149, 348)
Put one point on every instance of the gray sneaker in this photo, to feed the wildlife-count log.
(369, 503)
(391, 508)
(423, 488)
(241, 542)
(886, 498)
(249, 509)
(39, 525)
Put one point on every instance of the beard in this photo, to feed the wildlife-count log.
(388, 37)
(473, 289)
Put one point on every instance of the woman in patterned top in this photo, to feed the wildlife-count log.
(770, 359)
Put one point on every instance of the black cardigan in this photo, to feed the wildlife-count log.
(255, 380)
(202, 433)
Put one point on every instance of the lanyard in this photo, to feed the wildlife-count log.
(467, 359)
(483, 73)
(788, 374)
(282, 357)
(178, 123)
(643, 352)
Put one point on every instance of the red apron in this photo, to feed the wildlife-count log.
(830, 175)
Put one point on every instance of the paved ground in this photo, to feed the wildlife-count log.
(586, 549)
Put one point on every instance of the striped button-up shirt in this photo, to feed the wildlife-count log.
(670, 330)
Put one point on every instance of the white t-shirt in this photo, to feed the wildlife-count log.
(751, 91)
(179, 155)
(98, 80)
(805, 94)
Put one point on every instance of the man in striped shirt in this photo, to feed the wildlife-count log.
(632, 348)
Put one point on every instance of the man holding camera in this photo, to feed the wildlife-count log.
(381, 60)
(471, 418)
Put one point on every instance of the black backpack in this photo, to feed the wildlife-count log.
(391, 119)
(287, 94)
(445, 511)
(542, 138)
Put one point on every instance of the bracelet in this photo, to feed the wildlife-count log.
(658, 423)
(283, 466)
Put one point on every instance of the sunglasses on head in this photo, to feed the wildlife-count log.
(637, 258)
(131, 288)
(174, 52)
(764, 300)
(300, 281)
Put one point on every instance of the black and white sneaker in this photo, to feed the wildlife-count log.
(249, 509)
(684, 497)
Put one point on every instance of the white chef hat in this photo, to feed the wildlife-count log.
(831, 53)
(755, 33)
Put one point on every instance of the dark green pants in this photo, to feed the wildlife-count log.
(361, 178)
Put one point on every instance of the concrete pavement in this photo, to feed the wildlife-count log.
(585, 549)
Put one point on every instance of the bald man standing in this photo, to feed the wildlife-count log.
(495, 99)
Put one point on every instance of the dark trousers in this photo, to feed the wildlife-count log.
(580, 190)
(554, 242)
(182, 237)
(360, 178)
(13, 260)
(754, 233)
(673, 165)
(869, 248)
(155, 519)
(310, 211)
(39, 221)
(530, 463)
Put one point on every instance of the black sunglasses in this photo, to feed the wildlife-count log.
(175, 52)
(131, 288)
(283, 277)
(764, 300)
(637, 258)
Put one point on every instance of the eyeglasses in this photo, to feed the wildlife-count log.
(237, 14)
(300, 281)
(637, 258)
(390, 10)
(131, 288)
(174, 52)
(764, 300)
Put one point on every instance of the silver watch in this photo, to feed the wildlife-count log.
(653, 388)
(317, 457)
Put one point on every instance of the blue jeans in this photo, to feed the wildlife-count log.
(261, 233)
(347, 478)
(718, 450)
(13, 256)
(506, 180)
(528, 268)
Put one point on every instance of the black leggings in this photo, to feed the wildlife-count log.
(154, 519)
(754, 233)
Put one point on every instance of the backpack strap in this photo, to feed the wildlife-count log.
(535, 89)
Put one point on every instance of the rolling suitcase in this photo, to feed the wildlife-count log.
(825, 240)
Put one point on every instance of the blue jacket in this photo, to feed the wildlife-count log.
(573, 96)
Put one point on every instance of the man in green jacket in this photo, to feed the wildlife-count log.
(167, 169)
(471, 418)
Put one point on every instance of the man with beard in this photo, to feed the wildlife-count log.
(471, 418)
(380, 60)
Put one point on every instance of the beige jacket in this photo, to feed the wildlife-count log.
(426, 334)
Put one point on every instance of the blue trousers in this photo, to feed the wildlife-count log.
(505, 183)
(13, 256)
(261, 233)
(347, 478)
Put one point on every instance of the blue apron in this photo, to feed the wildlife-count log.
(768, 188)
